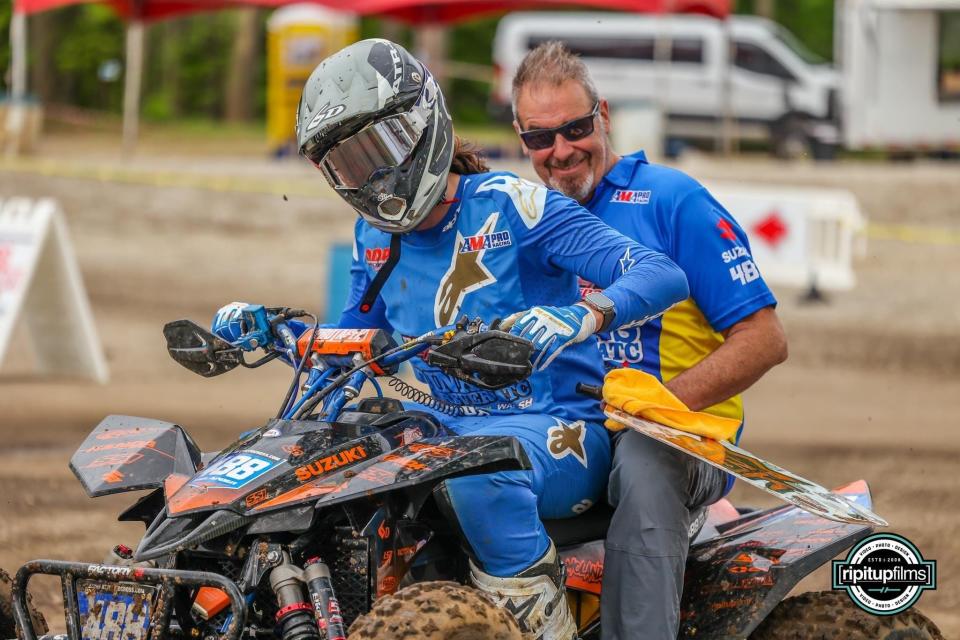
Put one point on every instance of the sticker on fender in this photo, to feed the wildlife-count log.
(113, 610)
(235, 470)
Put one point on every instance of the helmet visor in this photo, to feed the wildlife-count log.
(387, 143)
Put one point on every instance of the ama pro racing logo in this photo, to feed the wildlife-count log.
(884, 574)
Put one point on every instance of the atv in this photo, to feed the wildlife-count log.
(324, 518)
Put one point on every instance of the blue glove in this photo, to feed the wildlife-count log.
(228, 321)
(552, 329)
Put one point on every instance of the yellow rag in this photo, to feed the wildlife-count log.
(642, 395)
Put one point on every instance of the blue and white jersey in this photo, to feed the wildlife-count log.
(669, 211)
(507, 245)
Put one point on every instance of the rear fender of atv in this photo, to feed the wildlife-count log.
(734, 580)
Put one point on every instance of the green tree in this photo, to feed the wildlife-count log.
(810, 20)
(87, 36)
(471, 42)
(6, 9)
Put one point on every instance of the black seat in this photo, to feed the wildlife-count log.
(592, 525)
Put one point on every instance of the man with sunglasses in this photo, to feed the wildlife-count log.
(706, 350)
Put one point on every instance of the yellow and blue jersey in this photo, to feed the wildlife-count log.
(670, 212)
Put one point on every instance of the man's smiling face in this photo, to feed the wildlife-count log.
(571, 167)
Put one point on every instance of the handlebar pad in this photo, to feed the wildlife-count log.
(368, 343)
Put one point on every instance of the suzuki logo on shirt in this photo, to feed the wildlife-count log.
(726, 230)
(631, 197)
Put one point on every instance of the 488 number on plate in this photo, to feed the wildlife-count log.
(236, 470)
(114, 612)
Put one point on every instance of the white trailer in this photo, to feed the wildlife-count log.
(900, 66)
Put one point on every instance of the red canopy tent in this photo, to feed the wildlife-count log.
(411, 11)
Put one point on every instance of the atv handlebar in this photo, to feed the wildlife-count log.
(341, 361)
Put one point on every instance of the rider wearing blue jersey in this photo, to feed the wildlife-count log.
(706, 350)
(440, 237)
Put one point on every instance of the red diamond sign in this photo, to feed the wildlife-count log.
(771, 229)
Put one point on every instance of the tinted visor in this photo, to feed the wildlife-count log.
(387, 143)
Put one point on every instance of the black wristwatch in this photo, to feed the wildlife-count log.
(604, 305)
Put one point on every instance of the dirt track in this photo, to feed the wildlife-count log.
(870, 391)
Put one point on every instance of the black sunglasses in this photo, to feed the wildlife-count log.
(576, 129)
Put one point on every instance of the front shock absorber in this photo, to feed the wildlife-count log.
(295, 616)
(326, 608)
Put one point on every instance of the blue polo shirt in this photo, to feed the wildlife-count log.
(670, 212)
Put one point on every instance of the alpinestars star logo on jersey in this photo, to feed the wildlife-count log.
(626, 262)
(467, 273)
(567, 439)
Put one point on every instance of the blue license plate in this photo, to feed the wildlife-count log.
(114, 610)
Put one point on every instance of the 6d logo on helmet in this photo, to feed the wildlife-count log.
(884, 574)
(323, 114)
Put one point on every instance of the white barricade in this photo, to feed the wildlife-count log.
(40, 283)
(799, 237)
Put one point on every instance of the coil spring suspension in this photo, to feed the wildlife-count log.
(421, 397)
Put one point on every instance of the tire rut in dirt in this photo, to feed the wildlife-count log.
(435, 611)
(8, 628)
(831, 615)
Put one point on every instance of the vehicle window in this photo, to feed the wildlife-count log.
(948, 58)
(750, 57)
(791, 42)
(687, 50)
(619, 48)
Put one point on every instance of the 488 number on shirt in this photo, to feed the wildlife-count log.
(745, 272)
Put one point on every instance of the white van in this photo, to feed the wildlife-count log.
(771, 87)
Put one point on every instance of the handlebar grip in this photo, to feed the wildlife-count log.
(592, 390)
(286, 335)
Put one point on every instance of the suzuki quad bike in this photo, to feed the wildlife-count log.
(324, 519)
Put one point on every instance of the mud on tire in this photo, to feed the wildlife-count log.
(435, 611)
(831, 615)
(8, 627)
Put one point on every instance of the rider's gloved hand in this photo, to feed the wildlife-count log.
(228, 321)
(552, 329)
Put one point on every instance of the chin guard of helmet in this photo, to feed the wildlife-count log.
(490, 359)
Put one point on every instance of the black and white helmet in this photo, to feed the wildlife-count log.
(373, 120)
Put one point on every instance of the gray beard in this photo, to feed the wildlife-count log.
(579, 190)
(583, 189)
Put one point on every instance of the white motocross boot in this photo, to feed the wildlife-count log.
(536, 598)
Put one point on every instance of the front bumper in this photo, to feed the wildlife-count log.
(167, 582)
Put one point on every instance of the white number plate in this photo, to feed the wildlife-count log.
(114, 610)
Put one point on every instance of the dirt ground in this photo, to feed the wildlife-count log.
(871, 390)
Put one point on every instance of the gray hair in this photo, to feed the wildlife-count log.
(551, 62)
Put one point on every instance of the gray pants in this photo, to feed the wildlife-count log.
(654, 489)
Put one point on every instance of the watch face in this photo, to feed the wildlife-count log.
(604, 305)
(600, 301)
